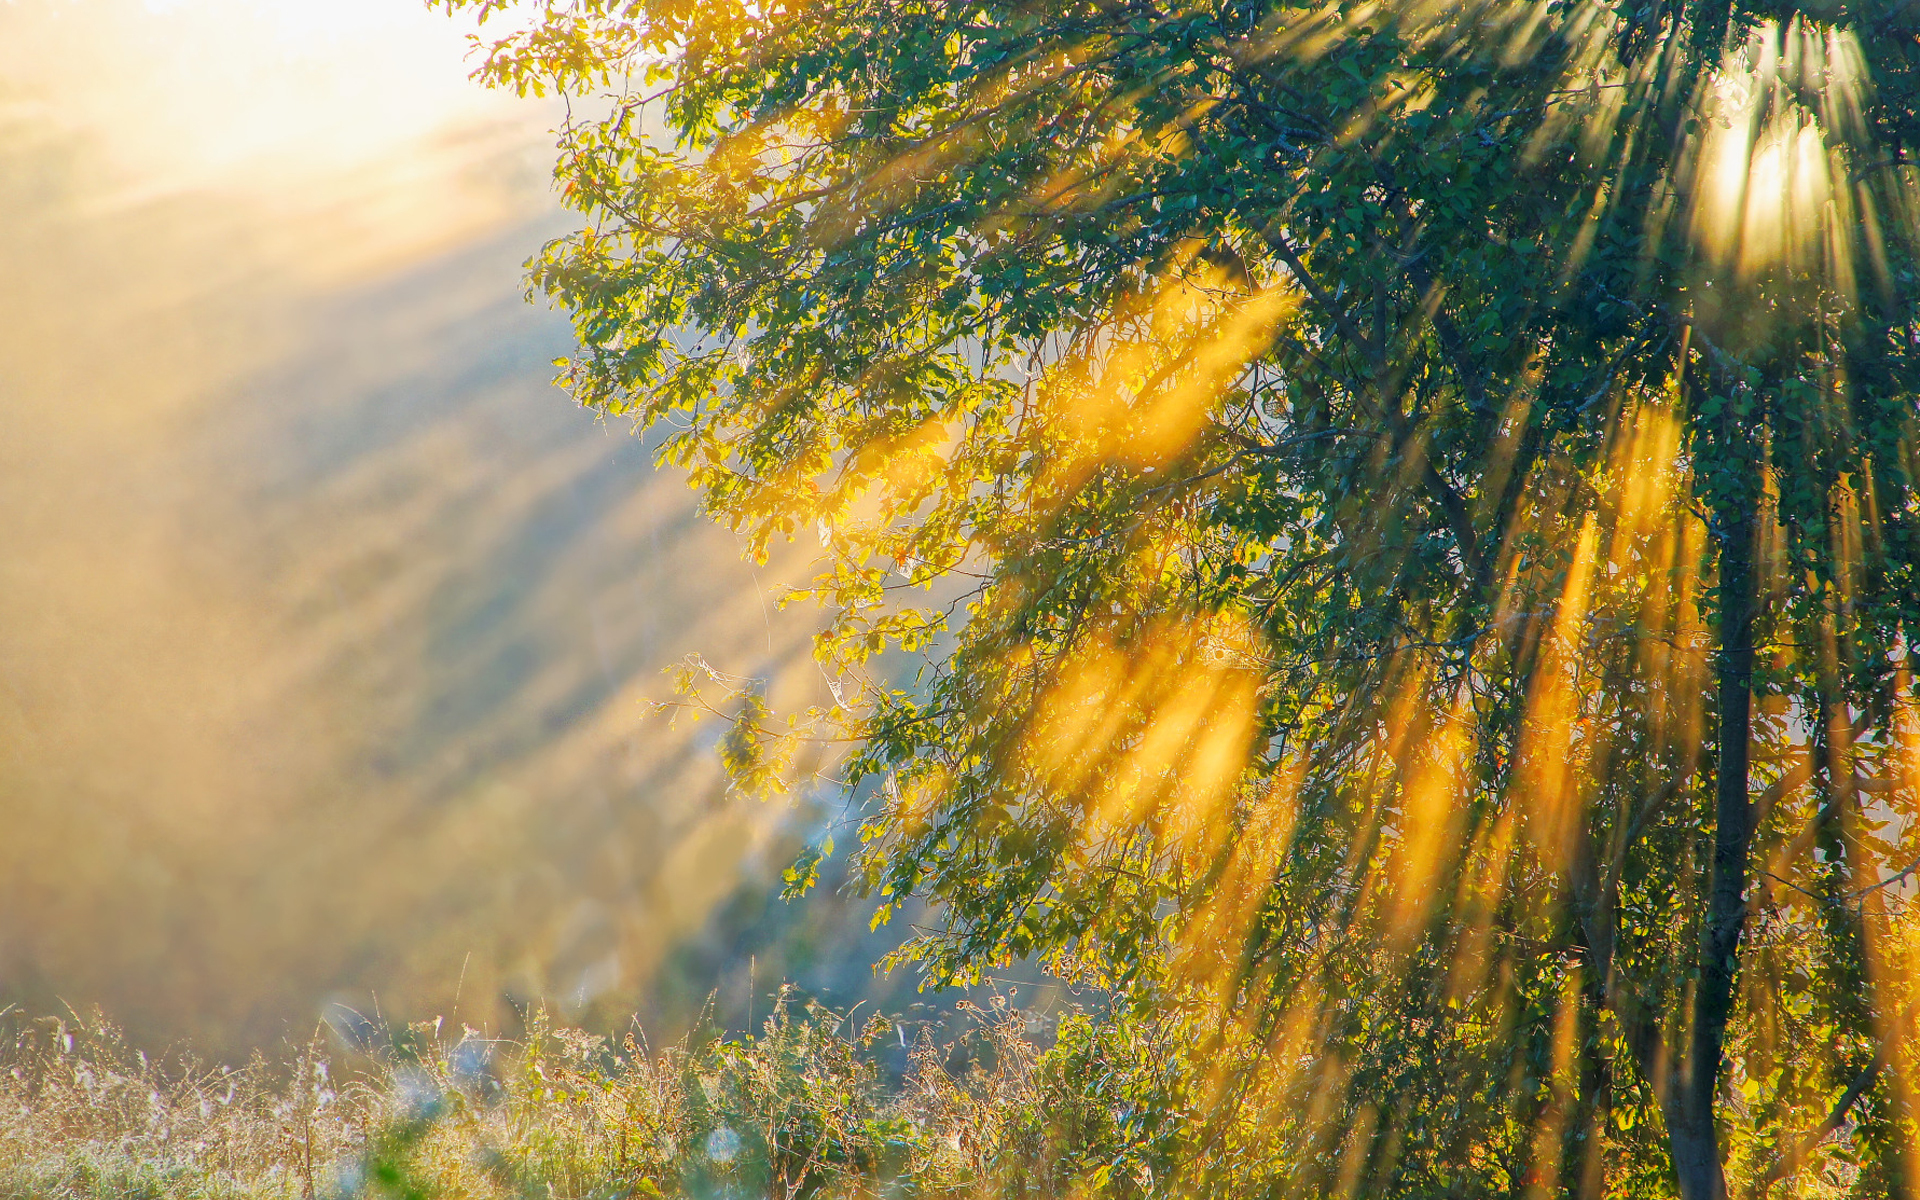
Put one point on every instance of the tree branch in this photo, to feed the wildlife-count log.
(1452, 506)
(1791, 1162)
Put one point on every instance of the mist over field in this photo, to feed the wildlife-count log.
(325, 622)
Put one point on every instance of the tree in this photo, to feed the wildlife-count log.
(1407, 510)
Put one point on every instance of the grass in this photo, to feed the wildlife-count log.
(801, 1109)
(82, 1114)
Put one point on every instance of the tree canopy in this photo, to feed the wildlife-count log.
(1406, 511)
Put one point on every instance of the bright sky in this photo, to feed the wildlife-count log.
(191, 92)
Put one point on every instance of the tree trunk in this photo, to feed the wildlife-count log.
(1691, 1133)
(1696, 1161)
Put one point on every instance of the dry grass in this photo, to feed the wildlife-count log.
(801, 1109)
(82, 1115)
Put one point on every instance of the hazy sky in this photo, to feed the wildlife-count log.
(324, 621)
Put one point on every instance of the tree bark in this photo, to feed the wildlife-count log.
(1692, 1135)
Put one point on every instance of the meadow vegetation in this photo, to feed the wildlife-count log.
(804, 1107)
